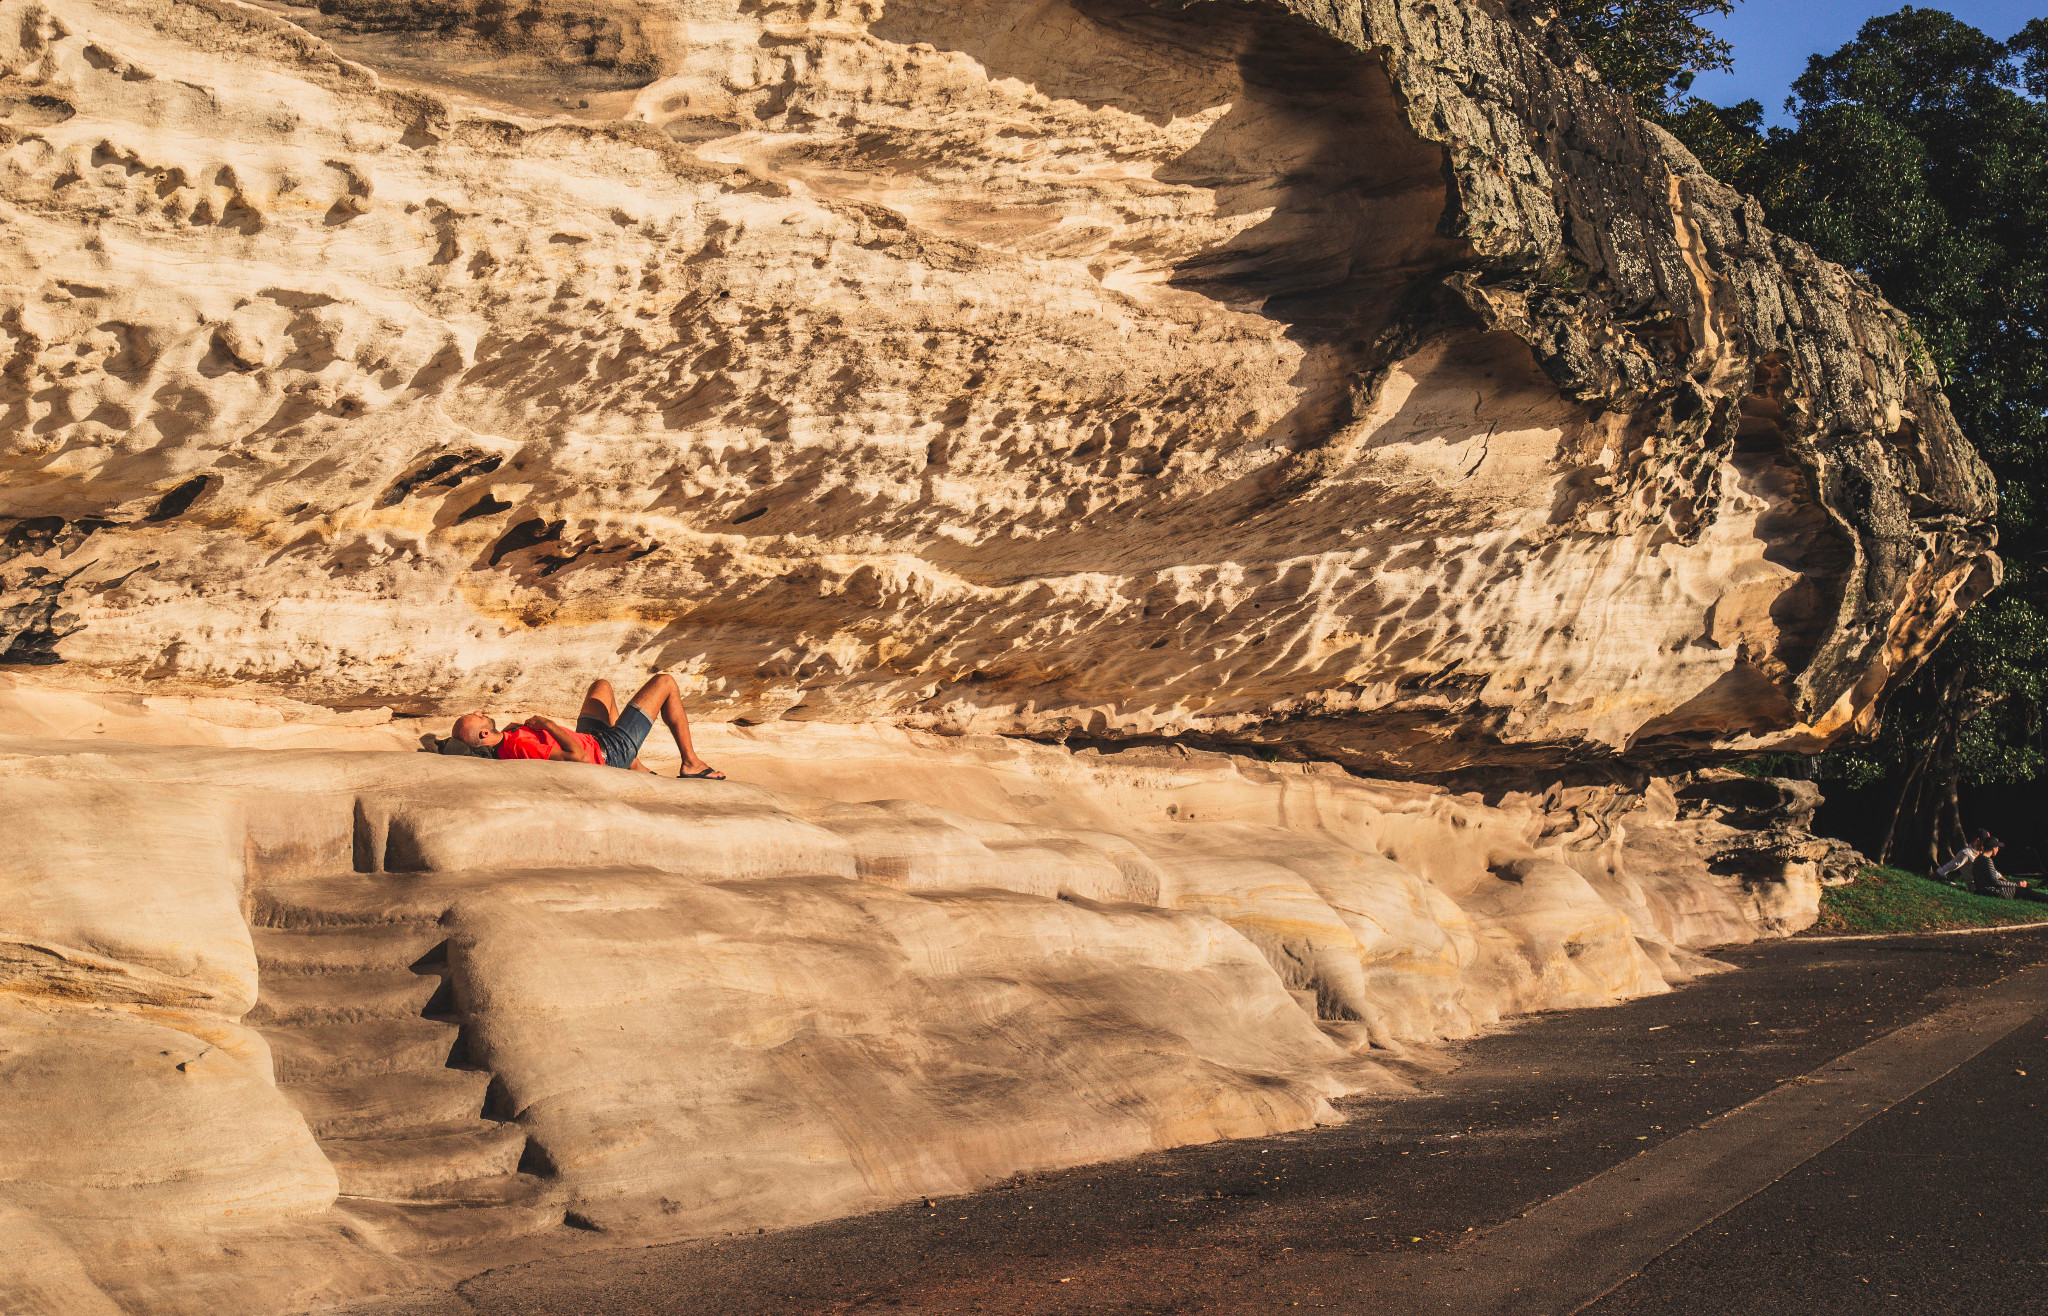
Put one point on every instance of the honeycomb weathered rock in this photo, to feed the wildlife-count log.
(1355, 379)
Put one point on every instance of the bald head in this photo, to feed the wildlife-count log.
(477, 731)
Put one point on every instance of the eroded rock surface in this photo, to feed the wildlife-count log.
(1358, 382)
(284, 1026)
(1354, 378)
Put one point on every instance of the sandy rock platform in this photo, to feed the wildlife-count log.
(288, 1025)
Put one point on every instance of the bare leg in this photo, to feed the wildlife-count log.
(598, 701)
(662, 696)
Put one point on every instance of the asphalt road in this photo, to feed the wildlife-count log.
(1590, 1122)
(1940, 1204)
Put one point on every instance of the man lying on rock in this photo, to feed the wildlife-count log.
(603, 736)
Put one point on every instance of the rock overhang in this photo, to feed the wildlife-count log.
(1357, 381)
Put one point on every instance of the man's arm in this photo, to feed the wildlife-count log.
(567, 746)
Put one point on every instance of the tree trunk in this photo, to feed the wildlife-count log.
(1900, 800)
(1950, 830)
(1928, 791)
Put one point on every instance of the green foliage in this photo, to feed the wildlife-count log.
(2031, 47)
(1728, 140)
(2002, 652)
(1919, 162)
(2004, 645)
(1647, 49)
(1775, 765)
(1892, 900)
(1920, 158)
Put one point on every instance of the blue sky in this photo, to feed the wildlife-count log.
(1772, 39)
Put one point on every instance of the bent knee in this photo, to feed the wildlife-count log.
(598, 688)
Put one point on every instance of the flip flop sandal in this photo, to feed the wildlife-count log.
(701, 776)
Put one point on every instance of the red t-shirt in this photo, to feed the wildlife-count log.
(527, 743)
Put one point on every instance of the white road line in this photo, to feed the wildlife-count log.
(2034, 926)
(1569, 1252)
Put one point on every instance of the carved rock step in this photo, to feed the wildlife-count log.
(287, 999)
(385, 1105)
(358, 900)
(317, 1053)
(442, 1165)
(382, 947)
(499, 1210)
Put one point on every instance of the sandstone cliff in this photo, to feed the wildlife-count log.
(1357, 384)
(1349, 378)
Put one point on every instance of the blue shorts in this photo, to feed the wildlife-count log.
(620, 740)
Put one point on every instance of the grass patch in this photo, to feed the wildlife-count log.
(1893, 900)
